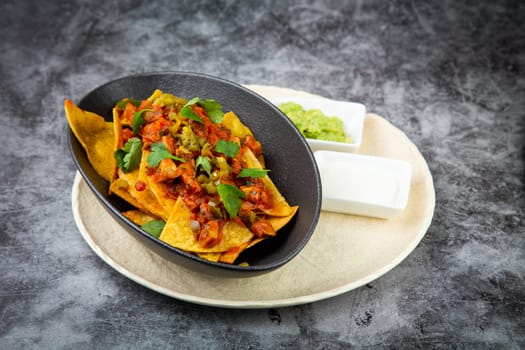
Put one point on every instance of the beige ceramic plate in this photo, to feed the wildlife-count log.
(345, 251)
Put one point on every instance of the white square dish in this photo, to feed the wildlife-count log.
(352, 114)
(363, 185)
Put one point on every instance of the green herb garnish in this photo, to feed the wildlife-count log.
(228, 148)
(122, 103)
(138, 120)
(253, 172)
(158, 153)
(154, 227)
(128, 157)
(231, 197)
(205, 163)
(187, 112)
(212, 108)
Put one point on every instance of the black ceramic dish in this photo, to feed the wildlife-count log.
(293, 168)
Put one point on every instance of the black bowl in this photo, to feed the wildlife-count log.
(286, 152)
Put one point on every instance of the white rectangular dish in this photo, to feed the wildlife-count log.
(352, 114)
(363, 185)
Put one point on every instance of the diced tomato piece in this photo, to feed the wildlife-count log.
(167, 170)
(144, 104)
(238, 221)
(258, 194)
(236, 165)
(126, 135)
(217, 132)
(254, 145)
(169, 142)
(262, 228)
(210, 234)
(199, 129)
(140, 186)
(127, 114)
(152, 132)
(205, 213)
(188, 177)
(201, 112)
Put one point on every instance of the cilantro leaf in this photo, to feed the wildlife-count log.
(214, 110)
(228, 148)
(253, 172)
(205, 163)
(128, 157)
(154, 227)
(138, 120)
(231, 197)
(122, 103)
(158, 153)
(192, 101)
(187, 112)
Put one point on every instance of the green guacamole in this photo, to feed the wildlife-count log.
(313, 124)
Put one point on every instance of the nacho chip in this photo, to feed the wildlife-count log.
(120, 187)
(156, 94)
(232, 254)
(161, 99)
(232, 122)
(178, 232)
(159, 189)
(138, 217)
(117, 129)
(210, 256)
(280, 206)
(278, 222)
(96, 136)
(238, 129)
(145, 197)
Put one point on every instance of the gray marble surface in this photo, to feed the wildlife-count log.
(448, 73)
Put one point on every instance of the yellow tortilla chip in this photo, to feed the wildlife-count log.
(163, 201)
(232, 254)
(96, 136)
(178, 232)
(238, 129)
(159, 189)
(117, 127)
(279, 222)
(145, 197)
(117, 142)
(120, 187)
(138, 217)
(280, 206)
(210, 256)
(156, 94)
(161, 99)
(232, 122)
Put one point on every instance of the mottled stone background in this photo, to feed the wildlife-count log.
(448, 73)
